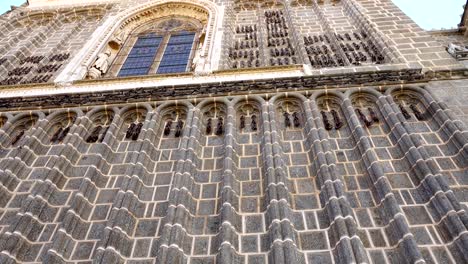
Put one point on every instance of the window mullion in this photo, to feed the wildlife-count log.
(160, 53)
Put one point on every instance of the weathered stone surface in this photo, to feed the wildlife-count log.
(284, 143)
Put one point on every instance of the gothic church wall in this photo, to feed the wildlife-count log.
(307, 131)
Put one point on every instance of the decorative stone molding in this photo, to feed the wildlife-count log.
(121, 25)
(101, 65)
(47, 3)
(33, 17)
(215, 88)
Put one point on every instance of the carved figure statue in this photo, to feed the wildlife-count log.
(336, 117)
(296, 121)
(197, 61)
(180, 125)
(242, 122)
(116, 42)
(17, 138)
(253, 124)
(373, 115)
(167, 128)
(137, 131)
(363, 118)
(100, 66)
(130, 130)
(56, 135)
(102, 62)
(63, 134)
(103, 135)
(133, 131)
(94, 136)
(326, 123)
(208, 126)
(417, 113)
(219, 127)
(287, 121)
(404, 112)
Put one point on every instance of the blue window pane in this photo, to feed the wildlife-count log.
(141, 56)
(138, 60)
(179, 48)
(142, 62)
(136, 65)
(177, 61)
(179, 39)
(172, 69)
(177, 53)
(133, 72)
(147, 42)
(175, 56)
(141, 52)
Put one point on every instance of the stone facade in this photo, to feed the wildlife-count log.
(305, 131)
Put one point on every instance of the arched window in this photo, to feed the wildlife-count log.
(159, 47)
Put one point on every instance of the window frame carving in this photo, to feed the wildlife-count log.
(206, 12)
(156, 28)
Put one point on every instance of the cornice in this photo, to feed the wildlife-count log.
(222, 83)
(190, 91)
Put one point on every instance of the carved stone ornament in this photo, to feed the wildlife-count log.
(203, 11)
(117, 40)
(101, 65)
(458, 52)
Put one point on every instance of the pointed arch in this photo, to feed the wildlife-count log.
(116, 27)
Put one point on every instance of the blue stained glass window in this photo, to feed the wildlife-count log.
(177, 53)
(141, 56)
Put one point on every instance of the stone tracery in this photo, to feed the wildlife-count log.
(299, 177)
(101, 123)
(365, 109)
(247, 117)
(61, 125)
(291, 112)
(410, 104)
(133, 120)
(214, 116)
(204, 13)
(173, 118)
(287, 165)
(330, 110)
(20, 126)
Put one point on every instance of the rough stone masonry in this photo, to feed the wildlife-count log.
(231, 131)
